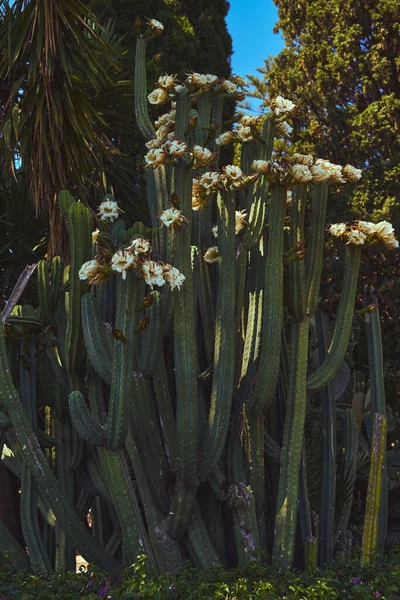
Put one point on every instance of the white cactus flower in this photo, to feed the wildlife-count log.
(122, 261)
(282, 105)
(166, 81)
(95, 236)
(87, 269)
(283, 129)
(233, 172)
(225, 138)
(338, 229)
(155, 157)
(303, 159)
(158, 96)
(356, 237)
(156, 25)
(229, 87)
(173, 277)
(172, 217)
(139, 246)
(214, 230)
(108, 210)
(260, 166)
(301, 173)
(153, 273)
(351, 173)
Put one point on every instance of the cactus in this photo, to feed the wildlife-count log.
(374, 496)
(177, 415)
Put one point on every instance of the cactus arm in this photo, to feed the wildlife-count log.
(224, 353)
(350, 445)
(140, 85)
(337, 349)
(65, 201)
(97, 340)
(38, 557)
(165, 410)
(206, 307)
(36, 461)
(18, 557)
(80, 225)
(151, 338)
(259, 200)
(121, 381)
(124, 500)
(374, 494)
(297, 283)
(241, 501)
(86, 425)
(293, 438)
(187, 419)
(198, 542)
(377, 393)
(268, 370)
(315, 253)
(328, 443)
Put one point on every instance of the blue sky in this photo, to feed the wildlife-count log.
(250, 23)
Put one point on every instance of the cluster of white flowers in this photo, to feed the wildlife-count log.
(172, 217)
(165, 124)
(108, 211)
(245, 131)
(302, 168)
(162, 152)
(159, 273)
(136, 256)
(365, 232)
(212, 181)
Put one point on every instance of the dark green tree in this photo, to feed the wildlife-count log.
(341, 66)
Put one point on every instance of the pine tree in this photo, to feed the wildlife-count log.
(341, 66)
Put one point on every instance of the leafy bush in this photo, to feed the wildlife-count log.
(344, 579)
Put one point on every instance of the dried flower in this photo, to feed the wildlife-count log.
(238, 80)
(211, 254)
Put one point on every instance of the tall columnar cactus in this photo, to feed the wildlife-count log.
(173, 361)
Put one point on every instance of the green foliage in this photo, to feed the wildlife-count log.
(340, 65)
(343, 580)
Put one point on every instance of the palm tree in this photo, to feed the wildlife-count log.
(61, 97)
